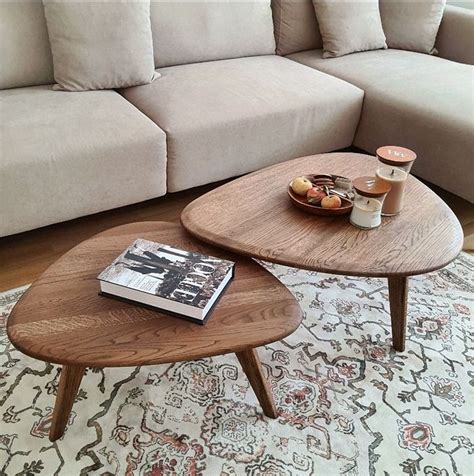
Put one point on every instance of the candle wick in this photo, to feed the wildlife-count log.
(368, 201)
(393, 171)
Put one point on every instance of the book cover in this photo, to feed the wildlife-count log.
(179, 276)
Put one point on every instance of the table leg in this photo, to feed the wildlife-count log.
(69, 382)
(252, 367)
(398, 293)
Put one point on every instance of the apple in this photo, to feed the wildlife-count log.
(315, 195)
(331, 201)
(301, 185)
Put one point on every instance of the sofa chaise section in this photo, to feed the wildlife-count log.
(419, 101)
(225, 118)
(65, 155)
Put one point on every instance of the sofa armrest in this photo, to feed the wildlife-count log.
(456, 33)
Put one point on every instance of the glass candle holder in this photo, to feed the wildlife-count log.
(370, 193)
(394, 167)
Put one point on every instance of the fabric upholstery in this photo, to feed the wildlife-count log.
(100, 45)
(65, 155)
(412, 25)
(455, 35)
(226, 118)
(295, 25)
(417, 101)
(349, 26)
(25, 55)
(194, 31)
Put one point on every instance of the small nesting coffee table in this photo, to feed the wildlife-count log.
(254, 217)
(62, 319)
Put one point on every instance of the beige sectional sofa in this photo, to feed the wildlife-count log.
(243, 85)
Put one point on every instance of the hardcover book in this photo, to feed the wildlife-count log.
(184, 283)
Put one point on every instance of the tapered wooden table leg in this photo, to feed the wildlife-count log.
(69, 382)
(250, 362)
(398, 294)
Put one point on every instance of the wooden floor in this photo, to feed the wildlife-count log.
(25, 256)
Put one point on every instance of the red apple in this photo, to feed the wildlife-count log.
(315, 195)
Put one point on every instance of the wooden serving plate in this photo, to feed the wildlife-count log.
(301, 203)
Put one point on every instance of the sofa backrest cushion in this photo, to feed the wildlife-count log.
(296, 27)
(25, 54)
(454, 40)
(196, 31)
(412, 26)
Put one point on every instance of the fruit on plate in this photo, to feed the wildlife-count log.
(331, 201)
(301, 185)
(315, 195)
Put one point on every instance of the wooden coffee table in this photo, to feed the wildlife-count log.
(253, 216)
(62, 319)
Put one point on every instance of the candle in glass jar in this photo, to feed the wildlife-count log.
(366, 212)
(394, 166)
(397, 179)
(367, 205)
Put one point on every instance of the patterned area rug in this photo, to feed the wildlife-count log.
(347, 403)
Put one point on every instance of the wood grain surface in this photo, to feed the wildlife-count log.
(62, 319)
(69, 382)
(254, 216)
(252, 367)
(398, 294)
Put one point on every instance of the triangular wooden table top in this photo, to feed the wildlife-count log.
(253, 216)
(62, 319)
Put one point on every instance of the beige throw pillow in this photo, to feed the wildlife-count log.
(295, 26)
(412, 24)
(100, 44)
(349, 26)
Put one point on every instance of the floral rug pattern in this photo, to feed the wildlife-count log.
(348, 404)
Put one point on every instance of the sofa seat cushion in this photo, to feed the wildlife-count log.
(226, 118)
(64, 155)
(417, 101)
